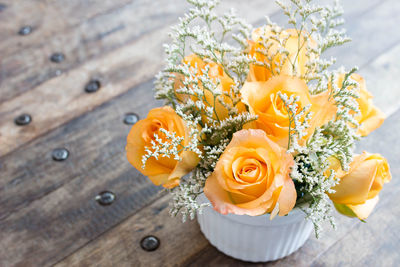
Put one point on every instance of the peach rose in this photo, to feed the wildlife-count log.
(162, 171)
(357, 192)
(217, 73)
(263, 100)
(252, 177)
(296, 56)
(371, 117)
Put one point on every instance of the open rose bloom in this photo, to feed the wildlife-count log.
(252, 177)
(262, 123)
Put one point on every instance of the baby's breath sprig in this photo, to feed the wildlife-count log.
(311, 173)
(345, 95)
(169, 147)
(194, 93)
(271, 45)
(298, 121)
(184, 196)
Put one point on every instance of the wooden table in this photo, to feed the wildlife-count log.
(48, 209)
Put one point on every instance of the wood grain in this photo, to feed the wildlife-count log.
(29, 173)
(379, 75)
(48, 208)
(96, 36)
(69, 217)
(122, 244)
(63, 98)
(48, 19)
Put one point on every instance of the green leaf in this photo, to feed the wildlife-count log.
(345, 210)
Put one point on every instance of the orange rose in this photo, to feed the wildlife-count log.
(225, 82)
(357, 192)
(164, 170)
(252, 177)
(263, 100)
(296, 57)
(371, 117)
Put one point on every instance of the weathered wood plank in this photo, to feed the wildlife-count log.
(48, 208)
(371, 33)
(365, 245)
(381, 76)
(54, 19)
(69, 217)
(24, 60)
(29, 67)
(47, 18)
(120, 246)
(63, 98)
(29, 173)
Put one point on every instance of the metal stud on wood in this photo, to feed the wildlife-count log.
(105, 198)
(23, 119)
(130, 118)
(57, 57)
(25, 30)
(92, 86)
(150, 243)
(60, 154)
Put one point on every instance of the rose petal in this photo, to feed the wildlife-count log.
(362, 211)
(355, 185)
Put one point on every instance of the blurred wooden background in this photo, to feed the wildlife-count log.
(76, 73)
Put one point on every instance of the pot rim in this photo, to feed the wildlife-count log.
(294, 216)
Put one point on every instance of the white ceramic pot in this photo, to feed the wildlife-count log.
(255, 239)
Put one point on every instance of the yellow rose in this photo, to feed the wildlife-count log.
(164, 171)
(217, 73)
(252, 177)
(296, 57)
(371, 117)
(357, 192)
(263, 100)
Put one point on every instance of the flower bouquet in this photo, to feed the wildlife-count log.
(258, 125)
